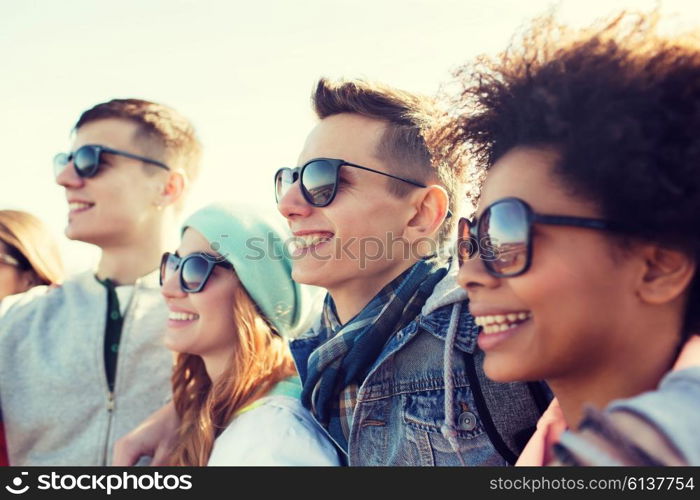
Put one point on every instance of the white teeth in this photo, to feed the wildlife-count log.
(182, 316)
(505, 320)
(77, 205)
(498, 328)
(309, 240)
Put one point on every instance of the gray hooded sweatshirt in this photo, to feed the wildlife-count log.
(56, 405)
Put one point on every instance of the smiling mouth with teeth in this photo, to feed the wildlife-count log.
(77, 205)
(305, 241)
(501, 322)
(181, 316)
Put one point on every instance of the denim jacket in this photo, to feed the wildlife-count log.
(400, 419)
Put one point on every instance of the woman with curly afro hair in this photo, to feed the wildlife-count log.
(581, 260)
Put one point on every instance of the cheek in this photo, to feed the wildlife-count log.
(573, 290)
(373, 220)
(572, 264)
(215, 303)
(9, 280)
(126, 192)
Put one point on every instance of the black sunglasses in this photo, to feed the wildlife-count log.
(502, 235)
(194, 268)
(319, 180)
(86, 160)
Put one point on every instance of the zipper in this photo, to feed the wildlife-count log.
(110, 416)
(110, 393)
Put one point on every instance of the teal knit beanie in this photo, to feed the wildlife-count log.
(253, 241)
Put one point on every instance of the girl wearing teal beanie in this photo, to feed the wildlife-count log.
(232, 302)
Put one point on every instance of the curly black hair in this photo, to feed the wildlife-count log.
(618, 102)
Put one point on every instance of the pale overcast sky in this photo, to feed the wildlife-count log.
(241, 71)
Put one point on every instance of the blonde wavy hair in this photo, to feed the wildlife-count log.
(260, 359)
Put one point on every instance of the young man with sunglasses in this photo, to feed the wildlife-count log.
(374, 370)
(371, 216)
(84, 363)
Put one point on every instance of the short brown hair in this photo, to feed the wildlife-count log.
(402, 146)
(158, 124)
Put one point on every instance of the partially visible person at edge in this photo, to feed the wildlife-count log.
(590, 213)
(84, 363)
(29, 257)
(235, 387)
(370, 213)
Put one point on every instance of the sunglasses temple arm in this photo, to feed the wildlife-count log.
(388, 175)
(573, 221)
(137, 157)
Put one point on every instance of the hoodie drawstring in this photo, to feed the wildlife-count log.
(448, 429)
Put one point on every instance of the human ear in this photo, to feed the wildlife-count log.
(667, 274)
(431, 206)
(173, 189)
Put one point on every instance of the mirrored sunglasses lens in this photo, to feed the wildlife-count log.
(86, 161)
(505, 230)
(466, 244)
(194, 271)
(319, 181)
(168, 264)
(283, 181)
(59, 163)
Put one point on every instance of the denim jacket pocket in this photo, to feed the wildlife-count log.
(371, 429)
(424, 416)
(425, 411)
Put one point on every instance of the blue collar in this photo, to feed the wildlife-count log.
(438, 322)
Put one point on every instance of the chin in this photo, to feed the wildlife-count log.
(498, 370)
(307, 274)
(76, 235)
(172, 344)
(78, 230)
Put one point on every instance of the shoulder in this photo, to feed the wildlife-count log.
(278, 432)
(11, 304)
(31, 302)
(673, 410)
(677, 398)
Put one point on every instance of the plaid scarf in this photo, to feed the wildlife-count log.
(341, 363)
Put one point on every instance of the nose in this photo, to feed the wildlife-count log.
(171, 286)
(473, 275)
(69, 178)
(292, 204)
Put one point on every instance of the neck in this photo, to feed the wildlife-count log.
(351, 297)
(629, 372)
(125, 262)
(216, 363)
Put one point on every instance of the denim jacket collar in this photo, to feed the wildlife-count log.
(435, 316)
(434, 319)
